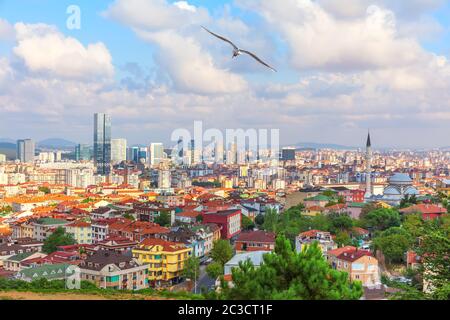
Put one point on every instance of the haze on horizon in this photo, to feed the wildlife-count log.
(344, 67)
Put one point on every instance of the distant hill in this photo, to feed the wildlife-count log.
(7, 140)
(313, 145)
(8, 149)
(56, 143)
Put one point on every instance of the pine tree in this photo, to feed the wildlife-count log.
(286, 274)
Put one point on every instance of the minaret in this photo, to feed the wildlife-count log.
(368, 168)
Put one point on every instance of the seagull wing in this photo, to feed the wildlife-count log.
(258, 59)
(221, 38)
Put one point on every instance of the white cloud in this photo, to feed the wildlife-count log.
(318, 40)
(155, 15)
(46, 50)
(185, 6)
(410, 9)
(6, 30)
(191, 68)
(189, 65)
(364, 69)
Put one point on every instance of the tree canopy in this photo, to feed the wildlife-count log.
(57, 238)
(382, 219)
(191, 268)
(163, 219)
(222, 251)
(287, 274)
(394, 243)
(247, 223)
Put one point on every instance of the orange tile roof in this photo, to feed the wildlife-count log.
(79, 224)
(189, 214)
(167, 245)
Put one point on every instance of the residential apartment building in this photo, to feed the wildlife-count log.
(81, 231)
(255, 241)
(322, 238)
(46, 226)
(112, 270)
(228, 220)
(165, 260)
(360, 265)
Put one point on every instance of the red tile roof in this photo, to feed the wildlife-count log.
(353, 255)
(257, 236)
(339, 251)
(311, 233)
(424, 209)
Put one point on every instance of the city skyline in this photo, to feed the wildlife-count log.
(326, 91)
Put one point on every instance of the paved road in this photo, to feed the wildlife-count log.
(204, 281)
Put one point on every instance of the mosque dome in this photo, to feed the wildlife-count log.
(400, 178)
(391, 190)
(411, 191)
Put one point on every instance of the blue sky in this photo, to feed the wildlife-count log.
(328, 89)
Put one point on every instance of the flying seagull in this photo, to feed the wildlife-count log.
(238, 52)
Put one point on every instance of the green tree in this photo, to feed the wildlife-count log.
(222, 251)
(413, 224)
(45, 190)
(57, 238)
(329, 193)
(434, 248)
(191, 268)
(343, 239)
(270, 220)
(393, 243)
(163, 219)
(214, 270)
(382, 219)
(5, 210)
(369, 207)
(129, 216)
(199, 218)
(408, 200)
(286, 274)
(340, 222)
(247, 223)
(259, 220)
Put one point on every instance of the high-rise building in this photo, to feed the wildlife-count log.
(143, 155)
(2, 158)
(164, 179)
(58, 156)
(288, 154)
(25, 150)
(83, 152)
(133, 154)
(118, 150)
(368, 168)
(102, 143)
(232, 154)
(156, 153)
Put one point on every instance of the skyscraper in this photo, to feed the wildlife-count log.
(25, 150)
(164, 179)
(83, 152)
(368, 168)
(102, 143)
(288, 154)
(156, 153)
(118, 150)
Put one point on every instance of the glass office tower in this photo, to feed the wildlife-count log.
(102, 143)
(25, 150)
